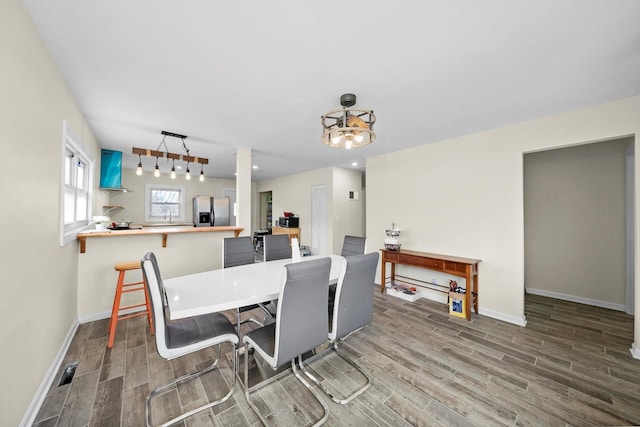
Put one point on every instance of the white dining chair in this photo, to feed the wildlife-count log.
(176, 338)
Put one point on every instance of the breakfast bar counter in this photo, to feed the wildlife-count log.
(145, 231)
(189, 250)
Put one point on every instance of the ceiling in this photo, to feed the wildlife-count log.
(259, 74)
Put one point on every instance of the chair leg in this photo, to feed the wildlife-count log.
(147, 301)
(247, 393)
(255, 409)
(325, 415)
(187, 377)
(115, 310)
(344, 357)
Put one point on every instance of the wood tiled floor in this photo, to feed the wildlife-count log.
(569, 366)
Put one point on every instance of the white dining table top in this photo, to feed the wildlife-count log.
(229, 288)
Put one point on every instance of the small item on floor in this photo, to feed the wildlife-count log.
(408, 292)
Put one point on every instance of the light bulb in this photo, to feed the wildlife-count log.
(139, 169)
(188, 175)
(336, 137)
(156, 172)
(359, 137)
(201, 176)
(348, 144)
(173, 173)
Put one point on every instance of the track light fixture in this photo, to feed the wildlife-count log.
(162, 151)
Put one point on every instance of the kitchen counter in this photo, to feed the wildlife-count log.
(163, 230)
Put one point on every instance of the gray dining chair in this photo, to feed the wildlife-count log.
(352, 245)
(176, 338)
(301, 325)
(353, 310)
(238, 251)
(276, 246)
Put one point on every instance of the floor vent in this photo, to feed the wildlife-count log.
(68, 373)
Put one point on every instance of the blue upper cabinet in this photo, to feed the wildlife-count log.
(111, 169)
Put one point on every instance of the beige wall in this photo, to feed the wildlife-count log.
(575, 222)
(293, 194)
(39, 277)
(464, 196)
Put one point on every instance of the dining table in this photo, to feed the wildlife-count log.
(228, 288)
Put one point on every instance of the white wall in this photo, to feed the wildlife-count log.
(39, 277)
(574, 200)
(464, 196)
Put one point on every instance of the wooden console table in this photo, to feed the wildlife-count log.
(456, 266)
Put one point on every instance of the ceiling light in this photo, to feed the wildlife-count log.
(354, 164)
(139, 168)
(159, 153)
(348, 127)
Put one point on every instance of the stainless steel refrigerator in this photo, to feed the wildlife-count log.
(211, 211)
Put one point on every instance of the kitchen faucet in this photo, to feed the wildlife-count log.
(165, 210)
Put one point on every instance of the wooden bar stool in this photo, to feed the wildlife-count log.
(121, 288)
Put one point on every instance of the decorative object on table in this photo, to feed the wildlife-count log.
(348, 127)
(101, 222)
(391, 242)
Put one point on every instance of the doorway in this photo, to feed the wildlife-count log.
(266, 211)
(579, 224)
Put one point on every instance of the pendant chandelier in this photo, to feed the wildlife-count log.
(158, 153)
(348, 127)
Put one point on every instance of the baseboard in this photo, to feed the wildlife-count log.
(106, 314)
(573, 298)
(438, 297)
(635, 350)
(518, 321)
(45, 385)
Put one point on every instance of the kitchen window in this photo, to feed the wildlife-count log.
(75, 187)
(164, 203)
